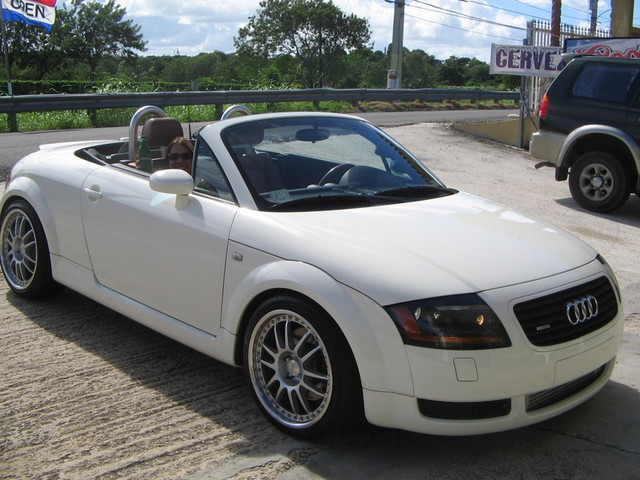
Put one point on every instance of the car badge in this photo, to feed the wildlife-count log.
(581, 310)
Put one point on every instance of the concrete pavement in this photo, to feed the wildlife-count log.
(598, 440)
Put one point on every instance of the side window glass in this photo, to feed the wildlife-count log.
(609, 83)
(209, 177)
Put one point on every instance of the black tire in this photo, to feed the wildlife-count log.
(599, 182)
(24, 257)
(300, 369)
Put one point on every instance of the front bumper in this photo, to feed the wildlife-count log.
(407, 413)
(467, 392)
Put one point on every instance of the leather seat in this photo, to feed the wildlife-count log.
(263, 174)
(159, 131)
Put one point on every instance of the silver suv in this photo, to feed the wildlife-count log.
(590, 130)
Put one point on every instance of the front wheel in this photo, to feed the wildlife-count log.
(301, 369)
(599, 182)
(25, 254)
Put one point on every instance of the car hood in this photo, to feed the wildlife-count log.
(395, 253)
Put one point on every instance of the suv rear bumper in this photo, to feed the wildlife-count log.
(546, 146)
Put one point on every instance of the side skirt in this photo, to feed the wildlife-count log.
(83, 281)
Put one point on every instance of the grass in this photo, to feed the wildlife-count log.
(67, 119)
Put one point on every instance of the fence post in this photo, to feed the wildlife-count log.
(93, 116)
(12, 120)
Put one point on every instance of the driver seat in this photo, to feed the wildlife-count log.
(160, 131)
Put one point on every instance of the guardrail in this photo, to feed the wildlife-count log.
(91, 102)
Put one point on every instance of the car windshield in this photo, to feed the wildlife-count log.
(312, 163)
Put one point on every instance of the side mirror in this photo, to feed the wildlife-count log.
(175, 182)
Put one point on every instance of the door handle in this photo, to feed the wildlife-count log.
(93, 193)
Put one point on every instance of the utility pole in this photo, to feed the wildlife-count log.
(556, 7)
(593, 5)
(394, 75)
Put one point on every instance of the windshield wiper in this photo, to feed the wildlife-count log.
(328, 201)
(420, 191)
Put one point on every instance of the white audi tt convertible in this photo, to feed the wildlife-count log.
(320, 255)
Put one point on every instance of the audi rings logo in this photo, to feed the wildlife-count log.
(582, 309)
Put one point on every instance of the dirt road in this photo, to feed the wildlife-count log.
(88, 394)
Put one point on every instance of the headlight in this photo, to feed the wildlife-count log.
(460, 322)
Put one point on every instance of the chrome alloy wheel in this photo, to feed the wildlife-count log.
(597, 182)
(19, 249)
(290, 369)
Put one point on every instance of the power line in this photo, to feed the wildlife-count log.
(493, 7)
(531, 6)
(528, 5)
(461, 15)
(463, 29)
(429, 7)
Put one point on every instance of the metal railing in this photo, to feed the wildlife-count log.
(39, 103)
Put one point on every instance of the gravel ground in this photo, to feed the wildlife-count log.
(88, 394)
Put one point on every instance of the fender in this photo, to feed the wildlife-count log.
(26, 189)
(62, 224)
(371, 333)
(585, 130)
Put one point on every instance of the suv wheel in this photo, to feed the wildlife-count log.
(599, 182)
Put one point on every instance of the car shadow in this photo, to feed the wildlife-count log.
(628, 214)
(595, 440)
(184, 376)
(218, 392)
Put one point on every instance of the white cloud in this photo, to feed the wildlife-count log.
(208, 25)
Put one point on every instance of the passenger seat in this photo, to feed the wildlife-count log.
(159, 132)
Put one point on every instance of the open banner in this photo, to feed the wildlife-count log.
(33, 12)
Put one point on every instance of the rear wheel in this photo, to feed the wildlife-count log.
(301, 369)
(25, 255)
(599, 182)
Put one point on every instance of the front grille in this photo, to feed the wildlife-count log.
(544, 320)
(542, 399)
(464, 410)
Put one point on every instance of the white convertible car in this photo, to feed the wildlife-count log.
(320, 255)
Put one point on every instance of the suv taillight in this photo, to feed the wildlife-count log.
(544, 107)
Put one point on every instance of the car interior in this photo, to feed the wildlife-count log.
(284, 161)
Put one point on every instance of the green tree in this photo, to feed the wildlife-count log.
(147, 68)
(84, 32)
(363, 69)
(419, 70)
(477, 73)
(100, 30)
(315, 32)
(176, 69)
(452, 71)
(36, 51)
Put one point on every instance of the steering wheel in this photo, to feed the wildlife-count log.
(335, 174)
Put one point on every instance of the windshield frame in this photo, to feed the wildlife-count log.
(300, 151)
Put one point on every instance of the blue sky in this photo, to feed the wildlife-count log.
(434, 26)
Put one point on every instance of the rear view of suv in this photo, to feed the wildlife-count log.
(590, 130)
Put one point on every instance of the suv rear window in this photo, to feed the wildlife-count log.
(609, 83)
